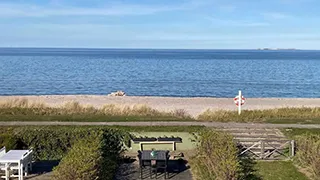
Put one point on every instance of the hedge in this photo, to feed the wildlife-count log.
(217, 157)
(90, 158)
(53, 142)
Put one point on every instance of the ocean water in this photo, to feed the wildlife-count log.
(183, 73)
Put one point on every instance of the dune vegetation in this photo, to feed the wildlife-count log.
(24, 110)
(302, 115)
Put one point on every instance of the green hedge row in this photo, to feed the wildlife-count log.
(85, 152)
(53, 142)
(217, 157)
(93, 157)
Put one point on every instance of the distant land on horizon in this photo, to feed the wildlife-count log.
(278, 49)
(118, 48)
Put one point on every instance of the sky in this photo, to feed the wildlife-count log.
(177, 24)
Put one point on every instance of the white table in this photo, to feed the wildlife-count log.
(13, 156)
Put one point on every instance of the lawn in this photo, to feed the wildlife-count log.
(292, 132)
(88, 118)
(189, 129)
(315, 120)
(160, 128)
(278, 170)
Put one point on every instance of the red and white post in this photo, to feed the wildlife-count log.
(239, 102)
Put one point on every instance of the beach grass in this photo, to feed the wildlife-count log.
(23, 110)
(303, 115)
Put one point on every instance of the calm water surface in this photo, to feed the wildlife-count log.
(185, 73)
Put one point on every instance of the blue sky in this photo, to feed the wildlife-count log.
(200, 24)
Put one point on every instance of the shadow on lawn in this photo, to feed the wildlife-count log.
(248, 171)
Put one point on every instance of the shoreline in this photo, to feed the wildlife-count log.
(192, 105)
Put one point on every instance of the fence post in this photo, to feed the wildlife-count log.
(292, 148)
(262, 149)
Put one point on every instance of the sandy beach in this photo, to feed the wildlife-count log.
(193, 106)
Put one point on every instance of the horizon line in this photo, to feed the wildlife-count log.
(130, 48)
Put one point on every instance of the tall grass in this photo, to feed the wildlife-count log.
(22, 108)
(286, 115)
(21, 103)
(308, 153)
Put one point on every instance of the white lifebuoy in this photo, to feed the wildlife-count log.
(236, 100)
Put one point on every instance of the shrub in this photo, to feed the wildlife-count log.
(216, 157)
(9, 141)
(82, 162)
(93, 157)
(52, 143)
(308, 153)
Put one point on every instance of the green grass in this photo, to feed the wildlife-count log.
(294, 121)
(88, 118)
(124, 128)
(160, 128)
(282, 116)
(292, 132)
(278, 170)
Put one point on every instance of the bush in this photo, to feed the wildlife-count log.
(216, 157)
(9, 141)
(86, 152)
(82, 162)
(52, 143)
(94, 157)
(308, 153)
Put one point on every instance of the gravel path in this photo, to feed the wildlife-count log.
(161, 123)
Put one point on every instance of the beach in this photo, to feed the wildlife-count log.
(193, 106)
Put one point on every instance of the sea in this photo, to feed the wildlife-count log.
(160, 72)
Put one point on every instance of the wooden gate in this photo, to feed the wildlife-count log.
(265, 150)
